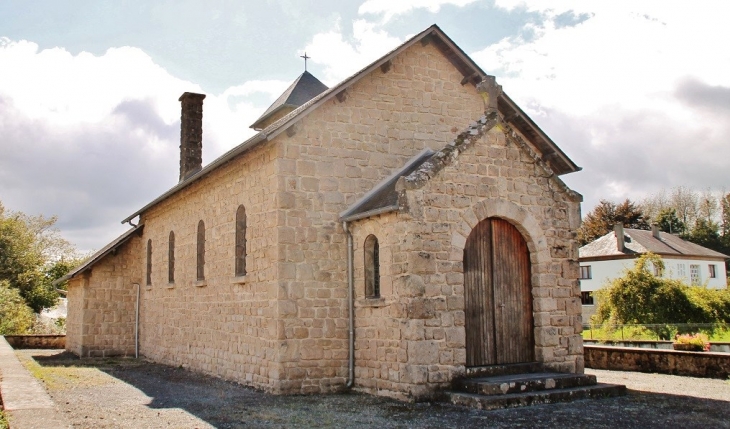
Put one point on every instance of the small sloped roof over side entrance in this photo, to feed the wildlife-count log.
(383, 198)
(303, 89)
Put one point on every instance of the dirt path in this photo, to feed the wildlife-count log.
(124, 393)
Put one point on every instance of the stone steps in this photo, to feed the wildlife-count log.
(510, 400)
(502, 385)
(507, 386)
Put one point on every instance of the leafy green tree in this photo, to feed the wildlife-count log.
(605, 215)
(30, 251)
(15, 316)
(668, 221)
(705, 233)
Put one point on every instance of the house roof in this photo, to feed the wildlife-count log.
(303, 89)
(638, 241)
(383, 197)
(109, 248)
(556, 158)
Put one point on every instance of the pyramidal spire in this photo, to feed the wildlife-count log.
(303, 89)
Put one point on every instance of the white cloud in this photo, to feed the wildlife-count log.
(342, 58)
(94, 138)
(392, 8)
(605, 88)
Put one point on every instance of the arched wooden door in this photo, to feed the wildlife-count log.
(498, 298)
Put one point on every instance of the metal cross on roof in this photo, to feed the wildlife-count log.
(305, 60)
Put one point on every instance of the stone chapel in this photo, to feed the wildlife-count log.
(390, 234)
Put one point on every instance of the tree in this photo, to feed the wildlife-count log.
(705, 234)
(15, 316)
(30, 250)
(605, 215)
(668, 221)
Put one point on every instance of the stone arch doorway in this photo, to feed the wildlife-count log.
(498, 297)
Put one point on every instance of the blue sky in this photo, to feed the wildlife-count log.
(635, 92)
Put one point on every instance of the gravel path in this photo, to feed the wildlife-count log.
(123, 393)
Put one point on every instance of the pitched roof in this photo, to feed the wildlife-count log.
(557, 159)
(638, 241)
(303, 89)
(383, 197)
(109, 248)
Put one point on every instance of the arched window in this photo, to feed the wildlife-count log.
(201, 250)
(241, 241)
(372, 267)
(149, 262)
(171, 259)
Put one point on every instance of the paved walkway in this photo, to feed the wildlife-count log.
(26, 402)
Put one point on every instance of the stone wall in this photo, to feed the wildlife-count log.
(225, 325)
(75, 313)
(693, 364)
(334, 156)
(36, 341)
(412, 340)
(101, 305)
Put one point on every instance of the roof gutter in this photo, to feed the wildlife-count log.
(370, 213)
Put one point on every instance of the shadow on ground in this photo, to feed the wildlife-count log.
(225, 404)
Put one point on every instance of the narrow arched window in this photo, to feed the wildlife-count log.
(149, 262)
(171, 259)
(241, 241)
(372, 267)
(201, 250)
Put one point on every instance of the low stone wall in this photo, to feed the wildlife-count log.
(694, 364)
(36, 341)
(648, 344)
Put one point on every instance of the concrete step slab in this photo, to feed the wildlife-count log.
(493, 402)
(504, 369)
(516, 383)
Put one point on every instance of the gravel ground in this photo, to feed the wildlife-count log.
(124, 393)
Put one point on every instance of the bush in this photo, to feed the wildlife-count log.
(640, 298)
(15, 316)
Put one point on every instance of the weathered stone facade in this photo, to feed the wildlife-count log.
(412, 339)
(101, 305)
(284, 326)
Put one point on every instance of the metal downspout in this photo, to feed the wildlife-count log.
(351, 307)
(136, 326)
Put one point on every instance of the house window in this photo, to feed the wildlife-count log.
(149, 262)
(372, 267)
(694, 275)
(201, 250)
(658, 272)
(241, 241)
(681, 271)
(713, 273)
(586, 298)
(585, 272)
(171, 259)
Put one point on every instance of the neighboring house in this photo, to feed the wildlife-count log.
(607, 257)
(387, 233)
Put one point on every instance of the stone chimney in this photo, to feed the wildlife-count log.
(618, 230)
(191, 134)
(655, 231)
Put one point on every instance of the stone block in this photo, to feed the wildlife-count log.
(423, 352)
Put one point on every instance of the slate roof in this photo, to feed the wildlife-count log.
(383, 198)
(100, 254)
(557, 159)
(303, 89)
(638, 241)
